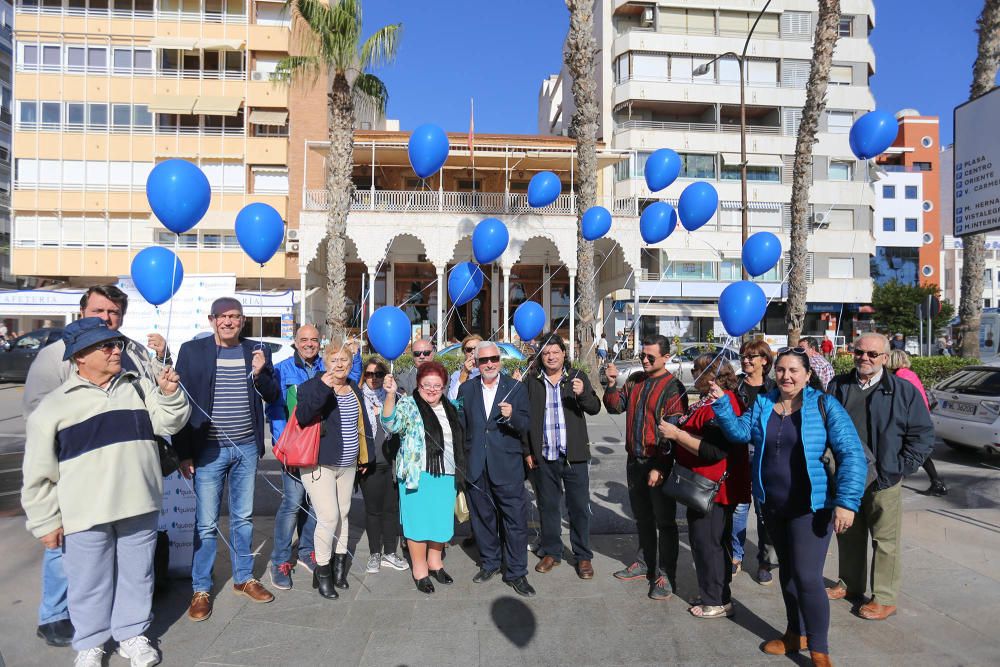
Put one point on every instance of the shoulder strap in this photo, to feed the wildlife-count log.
(138, 388)
(822, 408)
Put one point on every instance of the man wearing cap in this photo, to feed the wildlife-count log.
(93, 487)
(49, 371)
(228, 378)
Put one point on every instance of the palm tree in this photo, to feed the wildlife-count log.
(819, 75)
(578, 55)
(329, 38)
(984, 74)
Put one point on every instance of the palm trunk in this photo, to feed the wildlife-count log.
(340, 111)
(819, 75)
(984, 73)
(579, 56)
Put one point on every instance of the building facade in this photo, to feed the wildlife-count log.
(7, 279)
(661, 85)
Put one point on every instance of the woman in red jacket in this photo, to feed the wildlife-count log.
(700, 446)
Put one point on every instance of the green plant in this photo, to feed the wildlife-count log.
(930, 370)
(896, 307)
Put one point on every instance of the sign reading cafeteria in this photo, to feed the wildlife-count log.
(977, 165)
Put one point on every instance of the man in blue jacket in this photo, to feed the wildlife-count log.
(227, 379)
(496, 414)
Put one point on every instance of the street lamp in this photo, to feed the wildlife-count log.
(740, 58)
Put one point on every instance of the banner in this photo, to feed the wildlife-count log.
(177, 519)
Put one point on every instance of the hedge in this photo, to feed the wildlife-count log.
(930, 370)
(452, 362)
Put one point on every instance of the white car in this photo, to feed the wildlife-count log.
(281, 349)
(965, 408)
(682, 362)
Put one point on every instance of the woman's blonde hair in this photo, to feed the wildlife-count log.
(336, 345)
(468, 339)
(897, 359)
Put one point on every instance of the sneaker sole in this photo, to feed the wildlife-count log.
(305, 566)
(148, 663)
(765, 583)
(280, 587)
(630, 578)
(372, 570)
(398, 568)
(659, 598)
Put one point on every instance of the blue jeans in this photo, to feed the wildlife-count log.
(766, 556)
(54, 605)
(212, 466)
(285, 521)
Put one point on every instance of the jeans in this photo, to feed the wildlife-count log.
(555, 480)
(288, 517)
(54, 605)
(766, 557)
(213, 465)
(655, 520)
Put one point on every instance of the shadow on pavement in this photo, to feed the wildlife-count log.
(514, 620)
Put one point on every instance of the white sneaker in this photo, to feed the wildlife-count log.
(92, 657)
(139, 651)
(395, 562)
(374, 561)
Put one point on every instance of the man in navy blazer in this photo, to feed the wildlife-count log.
(496, 414)
(227, 378)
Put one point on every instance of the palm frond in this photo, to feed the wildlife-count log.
(380, 49)
(291, 66)
(373, 88)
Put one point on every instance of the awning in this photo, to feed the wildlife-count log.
(188, 44)
(222, 44)
(753, 160)
(261, 117)
(211, 105)
(679, 309)
(181, 104)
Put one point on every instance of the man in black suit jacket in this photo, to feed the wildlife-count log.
(495, 410)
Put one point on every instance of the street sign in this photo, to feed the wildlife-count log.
(977, 165)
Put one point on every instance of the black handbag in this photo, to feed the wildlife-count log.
(691, 489)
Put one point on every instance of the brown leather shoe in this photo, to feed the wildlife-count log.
(837, 592)
(584, 569)
(820, 659)
(253, 590)
(873, 611)
(788, 644)
(201, 606)
(546, 564)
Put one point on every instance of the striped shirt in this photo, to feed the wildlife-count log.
(554, 434)
(347, 406)
(232, 423)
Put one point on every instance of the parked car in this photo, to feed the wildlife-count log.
(965, 408)
(681, 362)
(16, 356)
(507, 351)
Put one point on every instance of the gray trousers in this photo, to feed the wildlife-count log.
(110, 572)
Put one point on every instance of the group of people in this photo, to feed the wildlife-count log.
(428, 448)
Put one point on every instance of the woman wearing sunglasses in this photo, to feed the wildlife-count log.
(789, 480)
(468, 369)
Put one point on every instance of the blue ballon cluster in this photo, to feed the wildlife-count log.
(389, 331)
(543, 189)
(529, 320)
(428, 150)
(489, 240)
(657, 222)
(464, 283)
(872, 134)
(260, 231)
(157, 273)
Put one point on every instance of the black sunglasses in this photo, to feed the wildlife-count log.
(871, 354)
(753, 356)
(423, 353)
(470, 350)
(648, 357)
(375, 374)
(495, 359)
(801, 351)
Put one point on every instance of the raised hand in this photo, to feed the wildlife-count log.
(577, 386)
(506, 409)
(389, 384)
(257, 361)
(611, 372)
(169, 381)
(157, 344)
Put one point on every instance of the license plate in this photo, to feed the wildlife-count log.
(956, 406)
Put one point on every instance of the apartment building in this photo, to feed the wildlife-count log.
(661, 85)
(6, 87)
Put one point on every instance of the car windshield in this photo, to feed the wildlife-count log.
(979, 382)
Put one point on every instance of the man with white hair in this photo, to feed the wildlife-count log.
(894, 424)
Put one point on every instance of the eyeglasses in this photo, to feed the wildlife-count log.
(801, 351)
(423, 353)
(432, 387)
(375, 374)
(495, 359)
(751, 357)
(871, 354)
(229, 316)
(651, 358)
(470, 350)
(110, 346)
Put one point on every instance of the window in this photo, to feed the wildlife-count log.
(928, 238)
(729, 70)
(649, 66)
(841, 267)
(840, 219)
(846, 27)
(51, 113)
(122, 60)
(841, 75)
(142, 61)
(97, 117)
(928, 206)
(97, 59)
(888, 192)
(211, 240)
(927, 270)
(76, 59)
(839, 122)
(762, 72)
(754, 173)
(888, 224)
(689, 271)
(29, 54)
(141, 117)
(27, 113)
(121, 116)
(911, 224)
(926, 142)
(922, 166)
(695, 166)
(911, 192)
(840, 171)
(51, 57)
(270, 181)
(75, 114)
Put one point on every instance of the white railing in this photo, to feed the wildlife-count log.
(149, 15)
(693, 127)
(699, 80)
(76, 128)
(97, 70)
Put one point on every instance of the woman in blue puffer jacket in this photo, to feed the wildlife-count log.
(790, 434)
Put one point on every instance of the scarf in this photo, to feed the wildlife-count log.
(434, 436)
(374, 398)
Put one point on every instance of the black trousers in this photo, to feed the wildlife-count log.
(499, 514)
(712, 551)
(655, 521)
(381, 509)
(553, 479)
(801, 543)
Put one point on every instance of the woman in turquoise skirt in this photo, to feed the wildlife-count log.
(428, 469)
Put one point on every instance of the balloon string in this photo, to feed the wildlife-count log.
(170, 306)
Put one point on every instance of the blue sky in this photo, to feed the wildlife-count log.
(498, 52)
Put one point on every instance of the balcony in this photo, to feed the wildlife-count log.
(128, 11)
(159, 73)
(694, 127)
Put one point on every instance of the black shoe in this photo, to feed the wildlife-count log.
(424, 585)
(323, 580)
(484, 575)
(340, 571)
(442, 576)
(937, 489)
(57, 633)
(521, 587)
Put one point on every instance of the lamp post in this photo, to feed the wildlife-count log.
(740, 59)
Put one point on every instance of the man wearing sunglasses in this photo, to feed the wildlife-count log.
(423, 351)
(893, 422)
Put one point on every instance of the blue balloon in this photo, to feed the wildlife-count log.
(157, 273)
(260, 231)
(529, 320)
(657, 222)
(761, 252)
(464, 283)
(595, 223)
(543, 189)
(179, 194)
(428, 150)
(697, 205)
(662, 168)
(873, 133)
(389, 331)
(741, 307)
(489, 240)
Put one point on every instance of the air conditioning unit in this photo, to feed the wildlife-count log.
(260, 76)
(292, 234)
(647, 17)
(292, 247)
(821, 219)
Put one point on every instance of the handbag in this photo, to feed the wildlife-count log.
(691, 489)
(298, 446)
(461, 507)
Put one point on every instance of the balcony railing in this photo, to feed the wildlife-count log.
(155, 14)
(432, 200)
(76, 128)
(206, 75)
(700, 80)
(694, 127)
